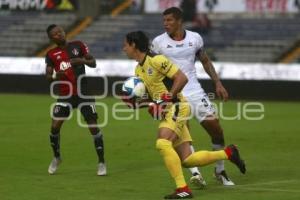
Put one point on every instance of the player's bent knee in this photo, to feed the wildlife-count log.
(94, 131)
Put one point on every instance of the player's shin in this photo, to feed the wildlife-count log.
(99, 146)
(172, 161)
(202, 158)
(55, 142)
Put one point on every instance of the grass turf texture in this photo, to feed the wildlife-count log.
(136, 171)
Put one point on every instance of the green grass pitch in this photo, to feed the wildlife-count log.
(271, 148)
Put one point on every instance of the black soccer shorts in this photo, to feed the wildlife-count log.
(63, 107)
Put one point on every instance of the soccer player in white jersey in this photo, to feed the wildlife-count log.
(183, 47)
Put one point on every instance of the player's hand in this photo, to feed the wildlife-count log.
(157, 109)
(77, 61)
(221, 91)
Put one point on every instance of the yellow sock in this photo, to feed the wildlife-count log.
(172, 161)
(202, 158)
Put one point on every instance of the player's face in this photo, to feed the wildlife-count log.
(58, 35)
(128, 49)
(171, 24)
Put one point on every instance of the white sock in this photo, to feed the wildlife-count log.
(219, 164)
(194, 170)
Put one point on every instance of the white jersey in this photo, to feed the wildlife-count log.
(182, 53)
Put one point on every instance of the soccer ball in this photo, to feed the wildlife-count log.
(134, 87)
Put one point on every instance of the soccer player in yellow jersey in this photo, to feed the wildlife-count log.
(164, 81)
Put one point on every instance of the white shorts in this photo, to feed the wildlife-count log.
(201, 106)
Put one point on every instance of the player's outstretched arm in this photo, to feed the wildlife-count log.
(210, 70)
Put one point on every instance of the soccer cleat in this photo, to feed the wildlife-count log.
(223, 178)
(234, 156)
(181, 193)
(101, 169)
(54, 165)
(198, 181)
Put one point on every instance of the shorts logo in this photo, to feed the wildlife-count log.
(75, 52)
(56, 109)
(190, 44)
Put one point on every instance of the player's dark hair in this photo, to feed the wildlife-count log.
(50, 27)
(176, 12)
(140, 39)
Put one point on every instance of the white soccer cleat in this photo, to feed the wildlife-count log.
(54, 165)
(101, 169)
(198, 181)
(223, 178)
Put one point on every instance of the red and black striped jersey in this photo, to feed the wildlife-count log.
(59, 59)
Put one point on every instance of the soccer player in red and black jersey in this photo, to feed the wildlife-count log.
(65, 63)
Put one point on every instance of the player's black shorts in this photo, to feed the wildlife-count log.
(63, 107)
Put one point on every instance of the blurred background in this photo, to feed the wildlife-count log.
(253, 43)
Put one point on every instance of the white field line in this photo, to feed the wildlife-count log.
(268, 190)
(253, 188)
(270, 183)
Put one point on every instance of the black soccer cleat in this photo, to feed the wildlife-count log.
(234, 157)
(181, 193)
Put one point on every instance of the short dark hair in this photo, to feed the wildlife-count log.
(50, 27)
(177, 13)
(140, 39)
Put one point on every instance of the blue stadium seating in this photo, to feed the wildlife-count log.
(240, 39)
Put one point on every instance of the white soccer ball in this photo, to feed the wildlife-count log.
(134, 86)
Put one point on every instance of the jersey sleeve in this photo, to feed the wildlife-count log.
(199, 43)
(155, 46)
(48, 61)
(164, 66)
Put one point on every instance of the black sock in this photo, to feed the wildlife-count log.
(54, 141)
(99, 145)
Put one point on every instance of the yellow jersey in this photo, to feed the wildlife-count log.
(157, 71)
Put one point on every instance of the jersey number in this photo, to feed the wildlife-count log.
(93, 108)
(205, 103)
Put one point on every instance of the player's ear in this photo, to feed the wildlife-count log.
(133, 45)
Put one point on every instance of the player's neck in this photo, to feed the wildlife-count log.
(63, 45)
(178, 35)
(140, 57)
